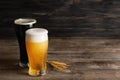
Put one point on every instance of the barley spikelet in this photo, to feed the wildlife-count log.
(59, 66)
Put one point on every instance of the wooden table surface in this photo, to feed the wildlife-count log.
(89, 59)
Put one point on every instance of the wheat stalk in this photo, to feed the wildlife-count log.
(59, 66)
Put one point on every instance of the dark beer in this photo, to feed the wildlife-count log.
(21, 25)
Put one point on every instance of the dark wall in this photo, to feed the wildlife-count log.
(76, 18)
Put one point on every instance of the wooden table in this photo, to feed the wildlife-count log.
(89, 59)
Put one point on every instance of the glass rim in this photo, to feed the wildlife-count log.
(36, 31)
(25, 21)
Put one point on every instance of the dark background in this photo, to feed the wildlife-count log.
(64, 18)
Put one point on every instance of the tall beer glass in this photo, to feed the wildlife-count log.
(21, 25)
(37, 47)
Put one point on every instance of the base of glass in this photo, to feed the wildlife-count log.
(36, 72)
(43, 72)
(23, 65)
(33, 73)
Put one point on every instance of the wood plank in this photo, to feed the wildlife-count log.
(82, 75)
(85, 18)
(89, 59)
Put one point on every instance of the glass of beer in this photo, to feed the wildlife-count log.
(37, 49)
(21, 25)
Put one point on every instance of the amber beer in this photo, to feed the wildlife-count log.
(37, 47)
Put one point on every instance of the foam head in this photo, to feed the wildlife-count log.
(36, 35)
(25, 21)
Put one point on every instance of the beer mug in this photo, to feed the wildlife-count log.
(37, 48)
(21, 25)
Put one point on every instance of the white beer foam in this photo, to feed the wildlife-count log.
(25, 21)
(36, 35)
